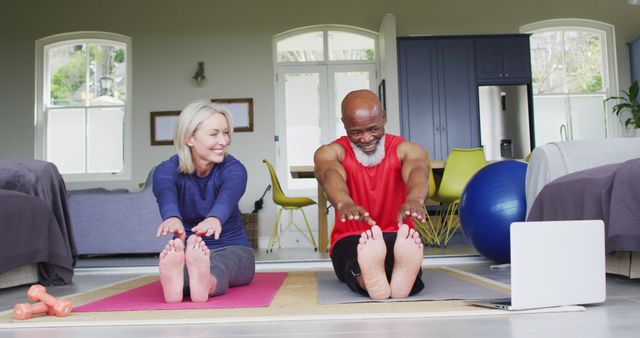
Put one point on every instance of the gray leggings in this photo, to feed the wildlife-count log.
(231, 266)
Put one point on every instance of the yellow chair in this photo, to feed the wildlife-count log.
(461, 165)
(290, 204)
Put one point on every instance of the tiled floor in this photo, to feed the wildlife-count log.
(618, 317)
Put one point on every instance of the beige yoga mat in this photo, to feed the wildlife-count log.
(297, 299)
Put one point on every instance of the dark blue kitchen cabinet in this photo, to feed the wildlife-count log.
(504, 59)
(438, 93)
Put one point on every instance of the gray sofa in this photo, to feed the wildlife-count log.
(557, 159)
(109, 222)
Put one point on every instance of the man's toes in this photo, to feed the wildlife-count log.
(362, 241)
(403, 231)
(376, 232)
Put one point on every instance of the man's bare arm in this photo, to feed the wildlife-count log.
(331, 175)
(415, 173)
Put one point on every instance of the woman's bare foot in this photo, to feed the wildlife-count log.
(171, 271)
(201, 282)
(372, 251)
(408, 257)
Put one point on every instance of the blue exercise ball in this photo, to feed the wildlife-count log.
(493, 198)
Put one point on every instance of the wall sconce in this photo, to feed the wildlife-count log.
(199, 75)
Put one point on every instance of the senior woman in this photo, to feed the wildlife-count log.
(198, 191)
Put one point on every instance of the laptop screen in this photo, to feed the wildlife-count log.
(555, 263)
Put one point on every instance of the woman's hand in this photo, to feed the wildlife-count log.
(173, 226)
(209, 226)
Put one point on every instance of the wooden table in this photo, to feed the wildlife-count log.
(306, 171)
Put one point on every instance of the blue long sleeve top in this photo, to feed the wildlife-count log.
(193, 198)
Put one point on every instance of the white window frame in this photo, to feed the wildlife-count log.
(610, 69)
(41, 72)
(328, 68)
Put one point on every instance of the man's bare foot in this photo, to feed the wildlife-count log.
(201, 283)
(372, 251)
(171, 271)
(407, 263)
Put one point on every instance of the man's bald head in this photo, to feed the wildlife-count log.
(360, 102)
(363, 120)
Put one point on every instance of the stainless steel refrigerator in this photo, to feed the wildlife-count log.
(504, 121)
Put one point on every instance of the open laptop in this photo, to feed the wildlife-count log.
(555, 263)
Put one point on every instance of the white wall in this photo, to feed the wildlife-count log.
(234, 40)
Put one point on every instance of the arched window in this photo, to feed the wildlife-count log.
(573, 68)
(315, 68)
(82, 112)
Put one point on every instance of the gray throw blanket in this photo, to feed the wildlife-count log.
(30, 234)
(41, 179)
(556, 159)
(610, 193)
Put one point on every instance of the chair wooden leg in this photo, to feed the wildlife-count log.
(313, 241)
(275, 236)
(272, 240)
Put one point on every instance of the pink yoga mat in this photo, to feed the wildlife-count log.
(259, 293)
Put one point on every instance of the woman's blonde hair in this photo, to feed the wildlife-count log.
(189, 121)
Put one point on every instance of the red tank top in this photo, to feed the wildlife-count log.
(380, 190)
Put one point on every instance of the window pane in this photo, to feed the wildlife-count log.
(550, 116)
(588, 117)
(66, 140)
(583, 61)
(306, 47)
(302, 106)
(568, 62)
(105, 136)
(350, 46)
(107, 71)
(547, 62)
(67, 75)
(344, 83)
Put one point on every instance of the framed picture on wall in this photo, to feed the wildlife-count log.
(162, 125)
(241, 111)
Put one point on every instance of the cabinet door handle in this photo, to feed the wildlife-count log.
(442, 128)
(506, 75)
(438, 128)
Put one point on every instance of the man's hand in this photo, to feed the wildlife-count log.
(351, 211)
(209, 226)
(411, 208)
(173, 226)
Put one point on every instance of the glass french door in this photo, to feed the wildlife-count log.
(308, 112)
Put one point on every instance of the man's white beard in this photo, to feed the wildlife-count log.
(369, 160)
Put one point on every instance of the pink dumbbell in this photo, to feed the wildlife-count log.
(61, 307)
(25, 310)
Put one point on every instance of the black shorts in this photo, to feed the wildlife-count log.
(344, 257)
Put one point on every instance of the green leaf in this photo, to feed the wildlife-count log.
(633, 91)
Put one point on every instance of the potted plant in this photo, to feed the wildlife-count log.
(628, 103)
